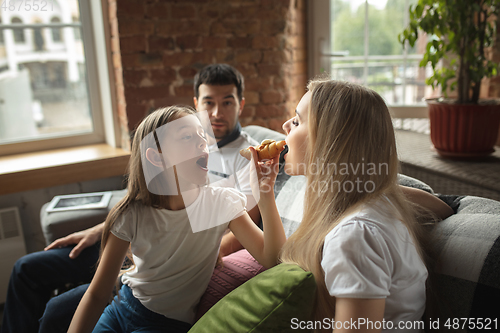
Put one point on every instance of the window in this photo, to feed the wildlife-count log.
(56, 32)
(54, 87)
(18, 33)
(357, 41)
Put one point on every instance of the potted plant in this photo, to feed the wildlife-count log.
(461, 33)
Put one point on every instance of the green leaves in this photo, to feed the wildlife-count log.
(461, 30)
(419, 9)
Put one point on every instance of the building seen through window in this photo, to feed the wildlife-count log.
(43, 74)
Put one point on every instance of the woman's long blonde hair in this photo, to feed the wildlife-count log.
(348, 125)
(137, 190)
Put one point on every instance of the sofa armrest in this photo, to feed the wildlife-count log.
(59, 224)
(466, 277)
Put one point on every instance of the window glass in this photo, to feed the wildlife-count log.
(56, 32)
(43, 74)
(18, 33)
(365, 49)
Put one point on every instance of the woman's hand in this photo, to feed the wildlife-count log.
(82, 239)
(428, 202)
(263, 175)
(265, 245)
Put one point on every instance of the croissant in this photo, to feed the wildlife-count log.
(267, 150)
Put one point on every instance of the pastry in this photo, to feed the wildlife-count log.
(267, 150)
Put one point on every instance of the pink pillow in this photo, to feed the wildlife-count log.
(236, 269)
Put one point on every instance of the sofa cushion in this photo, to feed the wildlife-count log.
(236, 269)
(466, 282)
(266, 303)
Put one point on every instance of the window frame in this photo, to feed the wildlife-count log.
(319, 54)
(96, 38)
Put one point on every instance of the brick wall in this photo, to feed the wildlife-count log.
(159, 45)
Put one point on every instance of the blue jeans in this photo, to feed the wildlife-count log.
(32, 281)
(127, 314)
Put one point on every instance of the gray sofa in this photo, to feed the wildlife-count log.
(466, 277)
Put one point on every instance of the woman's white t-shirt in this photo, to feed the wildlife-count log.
(370, 254)
(173, 264)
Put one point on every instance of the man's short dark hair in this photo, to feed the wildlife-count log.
(219, 75)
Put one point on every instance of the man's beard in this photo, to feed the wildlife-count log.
(221, 134)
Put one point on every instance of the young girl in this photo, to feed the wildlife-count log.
(358, 235)
(174, 238)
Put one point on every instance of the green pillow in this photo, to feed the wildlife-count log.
(265, 303)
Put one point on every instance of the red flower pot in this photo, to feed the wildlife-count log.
(464, 130)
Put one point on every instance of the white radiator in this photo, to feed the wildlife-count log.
(12, 246)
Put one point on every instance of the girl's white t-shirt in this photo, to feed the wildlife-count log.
(370, 254)
(173, 264)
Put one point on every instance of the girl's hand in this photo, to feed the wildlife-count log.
(263, 175)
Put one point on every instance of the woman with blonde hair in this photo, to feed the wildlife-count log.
(358, 236)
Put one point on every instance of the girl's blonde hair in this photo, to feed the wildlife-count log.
(137, 190)
(348, 126)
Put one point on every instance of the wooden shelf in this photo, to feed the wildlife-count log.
(31, 171)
